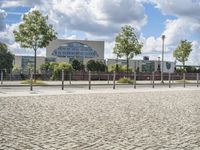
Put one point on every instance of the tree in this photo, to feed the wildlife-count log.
(118, 54)
(34, 33)
(100, 66)
(91, 65)
(6, 57)
(182, 52)
(127, 44)
(77, 65)
(57, 67)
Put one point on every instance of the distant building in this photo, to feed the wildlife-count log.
(85, 50)
(25, 62)
(65, 51)
(68, 50)
(146, 65)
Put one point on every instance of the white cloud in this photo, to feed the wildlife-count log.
(102, 19)
(195, 54)
(188, 8)
(91, 19)
(186, 24)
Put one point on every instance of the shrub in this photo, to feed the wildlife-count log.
(58, 67)
(93, 65)
(125, 80)
(77, 65)
(118, 68)
(38, 82)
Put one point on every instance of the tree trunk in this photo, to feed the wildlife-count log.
(183, 66)
(35, 65)
(127, 65)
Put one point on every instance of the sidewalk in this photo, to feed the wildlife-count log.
(53, 90)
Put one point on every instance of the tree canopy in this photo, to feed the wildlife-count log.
(93, 65)
(6, 57)
(77, 65)
(182, 52)
(127, 44)
(34, 32)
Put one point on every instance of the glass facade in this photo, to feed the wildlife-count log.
(27, 61)
(148, 66)
(50, 59)
(75, 50)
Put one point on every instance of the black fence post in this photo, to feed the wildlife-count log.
(184, 80)
(70, 78)
(31, 82)
(89, 78)
(135, 79)
(108, 78)
(169, 80)
(153, 80)
(63, 75)
(114, 78)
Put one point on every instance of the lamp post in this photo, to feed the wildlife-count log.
(162, 68)
(158, 69)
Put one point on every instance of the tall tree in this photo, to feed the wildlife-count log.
(127, 44)
(6, 58)
(34, 32)
(182, 52)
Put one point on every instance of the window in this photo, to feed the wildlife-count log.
(75, 49)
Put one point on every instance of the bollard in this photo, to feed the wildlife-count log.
(184, 80)
(70, 78)
(197, 79)
(114, 76)
(31, 82)
(153, 79)
(135, 78)
(89, 78)
(1, 77)
(10, 74)
(108, 78)
(169, 80)
(63, 75)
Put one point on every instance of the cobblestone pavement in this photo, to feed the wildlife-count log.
(138, 121)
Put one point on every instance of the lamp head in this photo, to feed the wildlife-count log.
(163, 37)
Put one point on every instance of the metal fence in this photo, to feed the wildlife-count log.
(91, 79)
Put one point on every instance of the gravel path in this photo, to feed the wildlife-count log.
(138, 121)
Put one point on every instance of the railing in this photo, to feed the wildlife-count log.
(91, 79)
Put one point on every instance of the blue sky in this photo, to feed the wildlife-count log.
(102, 20)
(156, 21)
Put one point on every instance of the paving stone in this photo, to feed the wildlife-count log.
(133, 121)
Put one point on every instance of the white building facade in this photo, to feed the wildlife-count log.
(146, 66)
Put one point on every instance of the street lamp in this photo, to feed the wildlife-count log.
(163, 47)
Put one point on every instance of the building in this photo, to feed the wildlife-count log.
(85, 50)
(25, 62)
(146, 66)
(68, 50)
(65, 51)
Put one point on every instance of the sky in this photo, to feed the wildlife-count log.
(102, 20)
